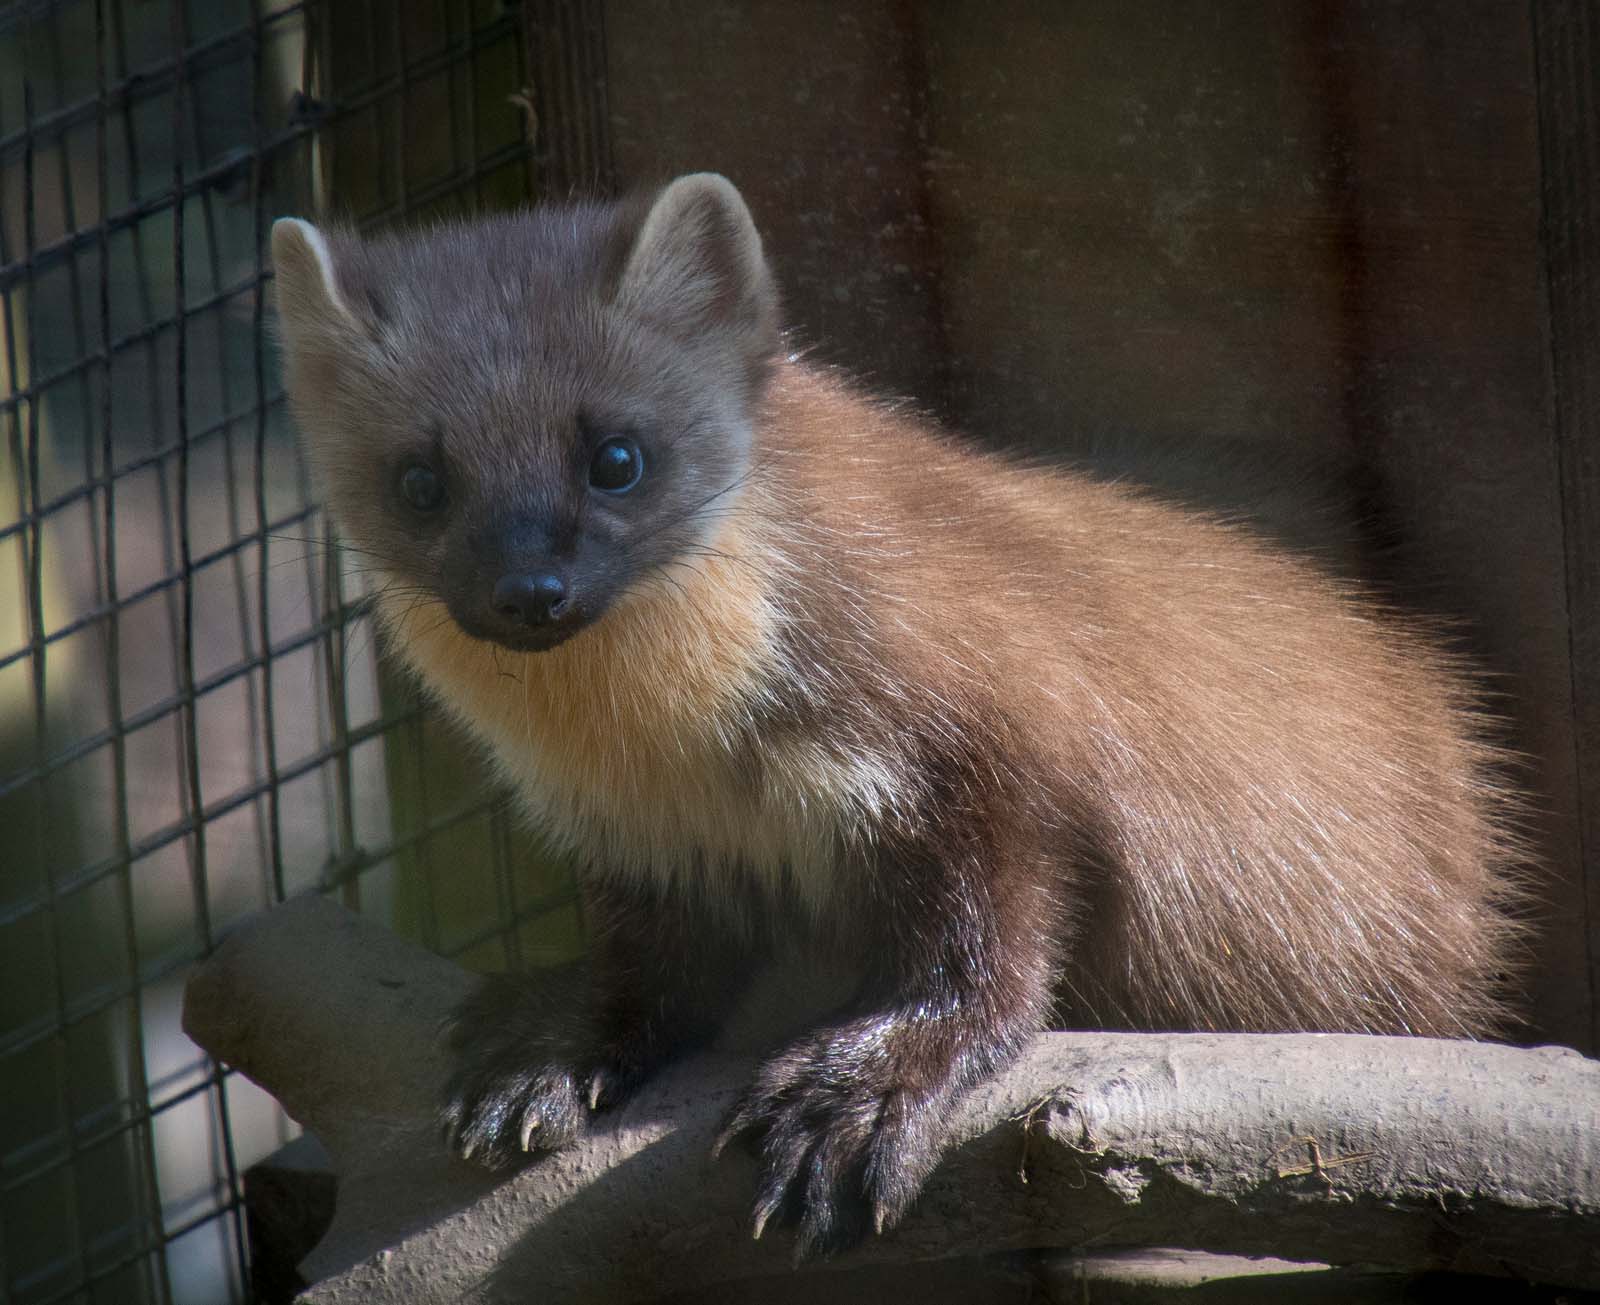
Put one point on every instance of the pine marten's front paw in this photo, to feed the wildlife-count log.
(524, 1078)
(497, 1115)
(846, 1132)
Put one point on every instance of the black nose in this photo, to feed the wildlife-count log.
(530, 599)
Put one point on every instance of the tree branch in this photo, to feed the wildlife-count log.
(1406, 1153)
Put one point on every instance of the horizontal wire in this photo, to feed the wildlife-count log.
(204, 179)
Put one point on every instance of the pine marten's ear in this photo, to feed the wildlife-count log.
(697, 265)
(309, 301)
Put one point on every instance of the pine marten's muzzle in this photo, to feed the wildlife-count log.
(531, 599)
(529, 610)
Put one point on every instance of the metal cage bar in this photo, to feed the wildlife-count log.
(193, 722)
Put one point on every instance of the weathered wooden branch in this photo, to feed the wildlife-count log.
(1404, 1153)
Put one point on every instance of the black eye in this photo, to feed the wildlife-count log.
(617, 466)
(422, 487)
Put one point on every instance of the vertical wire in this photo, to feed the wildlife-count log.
(147, 312)
(191, 757)
(33, 544)
(230, 479)
(317, 79)
(313, 66)
(144, 281)
(189, 709)
(259, 379)
(14, 387)
(273, 885)
(330, 698)
(80, 333)
(333, 649)
(149, 1204)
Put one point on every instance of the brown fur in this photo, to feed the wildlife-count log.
(1289, 814)
(1024, 740)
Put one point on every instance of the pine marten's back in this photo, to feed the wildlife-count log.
(1273, 795)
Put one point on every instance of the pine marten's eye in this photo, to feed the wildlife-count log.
(617, 466)
(422, 487)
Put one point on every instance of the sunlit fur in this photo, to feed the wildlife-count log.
(628, 744)
(1293, 819)
(1027, 744)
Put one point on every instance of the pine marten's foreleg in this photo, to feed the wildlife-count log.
(531, 1066)
(851, 1118)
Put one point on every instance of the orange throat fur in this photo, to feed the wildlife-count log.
(624, 741)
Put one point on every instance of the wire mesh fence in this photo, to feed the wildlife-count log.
(194, 719)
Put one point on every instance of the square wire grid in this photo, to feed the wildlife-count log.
(194, 722)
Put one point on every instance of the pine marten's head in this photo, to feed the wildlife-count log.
(526, 416)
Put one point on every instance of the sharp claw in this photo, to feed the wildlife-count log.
(594, 1092)
(760, 1226)
(730, 1131)
(530, 1125)
(880, 1217)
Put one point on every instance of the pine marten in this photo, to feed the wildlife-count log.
(783, 665)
